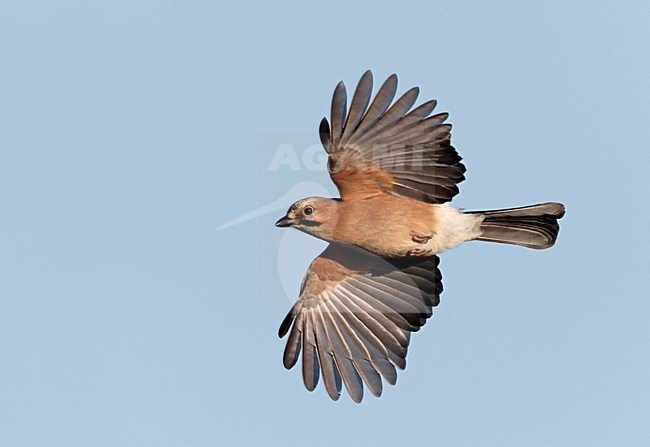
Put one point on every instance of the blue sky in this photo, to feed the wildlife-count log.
(131, 131)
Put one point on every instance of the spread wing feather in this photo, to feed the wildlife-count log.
(404, 153)
(353, 320)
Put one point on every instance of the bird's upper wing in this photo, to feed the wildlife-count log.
(354, 318)
(387, 148)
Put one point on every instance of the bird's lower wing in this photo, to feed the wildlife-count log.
(354, 318)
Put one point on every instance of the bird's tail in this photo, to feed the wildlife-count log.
(533, 226)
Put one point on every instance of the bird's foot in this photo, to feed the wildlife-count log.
(419, 252)
(420, 238)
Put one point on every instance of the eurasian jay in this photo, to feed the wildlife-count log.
(378, 279)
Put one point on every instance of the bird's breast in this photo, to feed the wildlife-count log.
(382, 225)
(395, 226)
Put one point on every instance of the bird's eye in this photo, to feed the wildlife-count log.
(308, 211)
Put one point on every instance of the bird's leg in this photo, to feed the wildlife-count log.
(420, 238)
(419, 252)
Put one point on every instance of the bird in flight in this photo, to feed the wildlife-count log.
(378, 279)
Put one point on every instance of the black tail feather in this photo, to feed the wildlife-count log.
(533, 226)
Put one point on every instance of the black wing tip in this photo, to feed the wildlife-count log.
(325, 133)
(286, 323)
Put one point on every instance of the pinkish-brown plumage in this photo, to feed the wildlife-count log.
(378, 280)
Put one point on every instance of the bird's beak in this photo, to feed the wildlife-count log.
(284, 222)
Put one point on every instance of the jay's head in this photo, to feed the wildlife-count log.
(313, 215)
